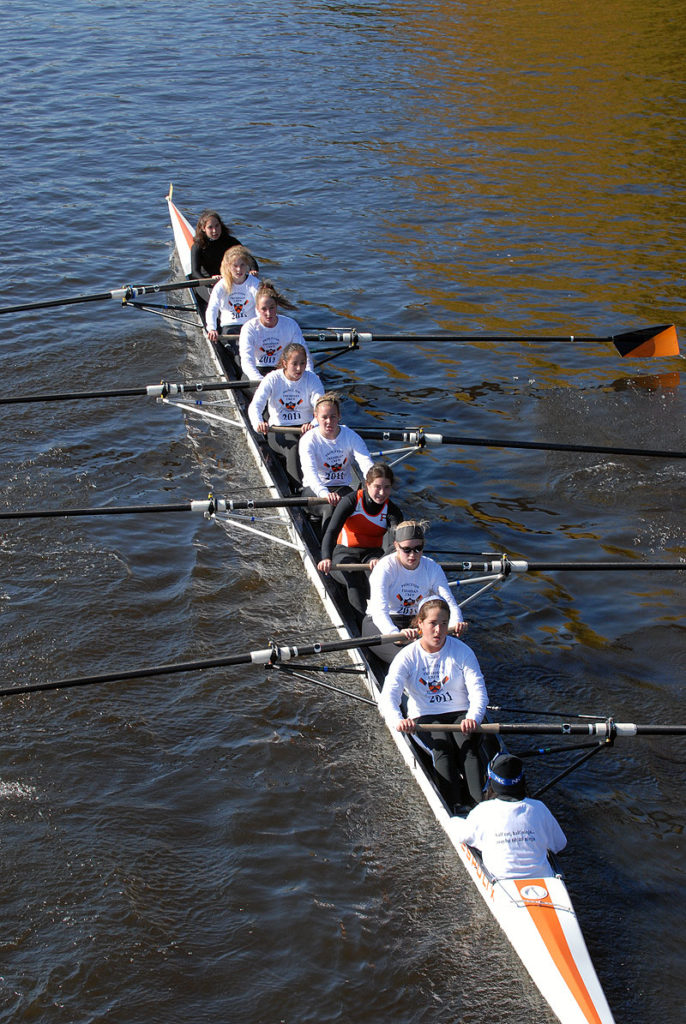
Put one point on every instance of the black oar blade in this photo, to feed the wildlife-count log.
(648, 341)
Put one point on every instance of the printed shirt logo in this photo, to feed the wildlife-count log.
(408, 598)
(268, 352)
(289, 405)
(336, 467)
(434, 685)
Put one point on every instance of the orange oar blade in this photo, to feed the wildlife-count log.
(650, 341)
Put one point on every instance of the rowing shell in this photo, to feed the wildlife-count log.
(536, 914)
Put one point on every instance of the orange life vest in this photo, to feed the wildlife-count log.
(362, 530)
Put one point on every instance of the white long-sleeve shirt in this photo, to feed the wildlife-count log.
(261, 348)
(289, 402)
(231, 307)
(328, 464)
(513, 836)
(395, 590)
(435, 684)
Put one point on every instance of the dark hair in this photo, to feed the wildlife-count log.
(426, 607)
(379, 469)
(201, 239)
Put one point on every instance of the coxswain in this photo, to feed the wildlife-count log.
(211, 240)
(360, 531)
(443, 682)
(513, 832)
(288, 394)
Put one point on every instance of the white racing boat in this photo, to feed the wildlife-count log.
(536, 914)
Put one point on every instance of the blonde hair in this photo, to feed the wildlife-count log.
(236, 252)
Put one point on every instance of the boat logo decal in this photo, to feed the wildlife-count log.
(534, 892)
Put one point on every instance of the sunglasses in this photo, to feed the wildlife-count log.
(415, 547)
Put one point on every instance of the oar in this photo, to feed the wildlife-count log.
(423, 437)
(209, 507)
(608, 728)
(646, 341)
(507, 566)
(267, 656)
(162, 390)
(125, 293)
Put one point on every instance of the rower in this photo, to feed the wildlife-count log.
(443, 682)
(289, 394)
(264, 337)
(361, 527)
(232, 300)
(211, 240)
(398, 583)
(328, 454)
(512, 831)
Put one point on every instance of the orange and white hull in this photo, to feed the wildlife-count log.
(538, 918)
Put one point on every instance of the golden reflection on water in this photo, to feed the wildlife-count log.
(546, 154)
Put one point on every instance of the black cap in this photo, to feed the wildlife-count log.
(506, 776)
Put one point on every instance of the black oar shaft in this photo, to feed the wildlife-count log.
(192, 389)
(266, 656)
(627, 566)
(659, 341)
(209, 506)
(519, 566)
(426, 437)
(123, 510)
(555, 446)
(124, 293)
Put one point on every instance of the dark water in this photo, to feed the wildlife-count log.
(224, 846)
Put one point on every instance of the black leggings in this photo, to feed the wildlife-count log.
(455, 754)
